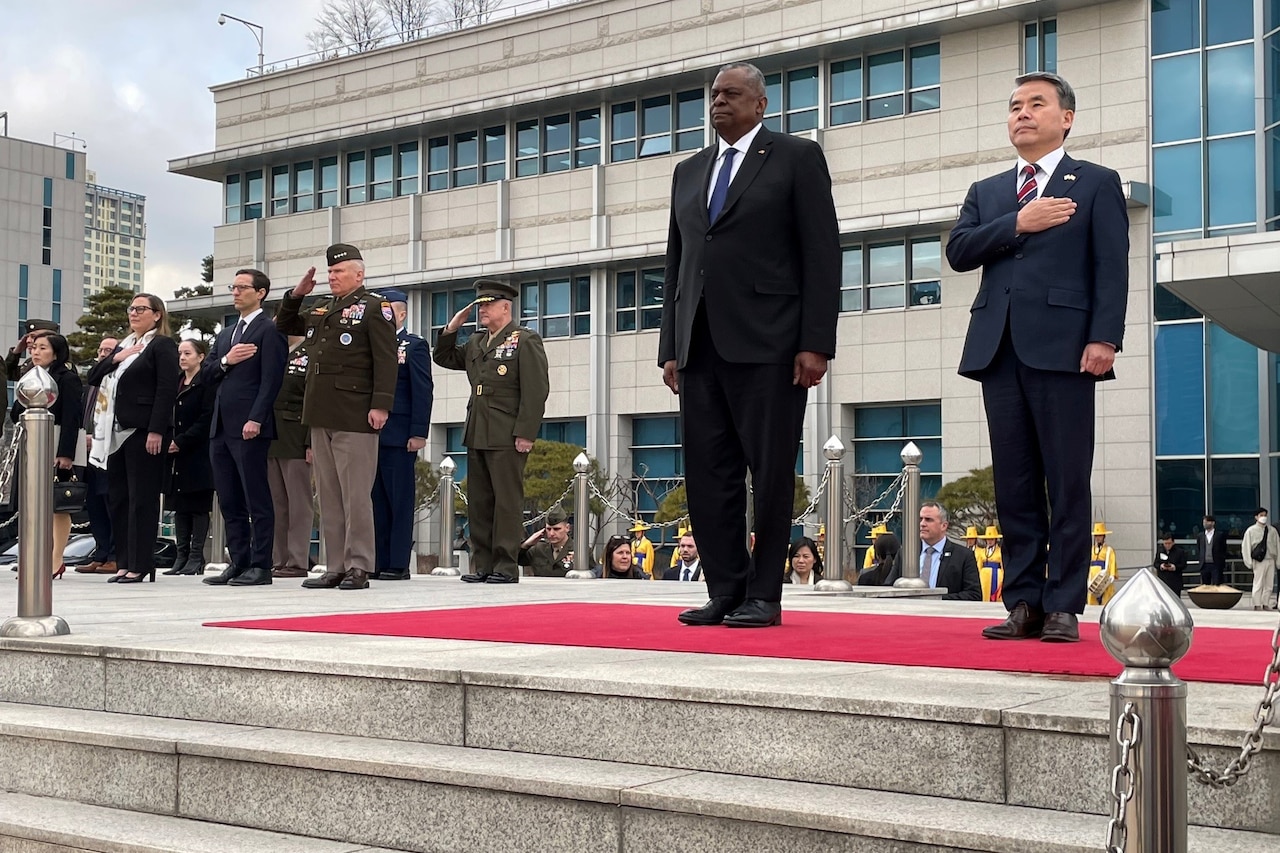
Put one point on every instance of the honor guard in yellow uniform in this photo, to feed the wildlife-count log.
(642, 551)
(870, 559)
(990, 564)
(971, 542)
(1102, 567)
(506, 365)
(351, 386)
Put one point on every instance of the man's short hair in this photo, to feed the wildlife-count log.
(942, 511)
(755, 75)
(1066, 95)
(1211, 518)
(259, 280)
(1262, 510)
(1166, 535)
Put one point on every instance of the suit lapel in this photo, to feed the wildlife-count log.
(708, 156)
(1064, 178)
(751, 163)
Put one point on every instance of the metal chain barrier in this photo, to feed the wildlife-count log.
(1128, 733)
(860, 515)
(1252, 744)
(9, 464)
(542, 515)
(813, 504)
(457, 489)
(622, 513)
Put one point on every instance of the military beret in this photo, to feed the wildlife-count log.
(392, 294)
(487, 290)
(339, 252)
(556, 515)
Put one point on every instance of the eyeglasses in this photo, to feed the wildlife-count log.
(240, 288)
(138, 309)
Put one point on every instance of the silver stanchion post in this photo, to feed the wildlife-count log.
(910, 553)
(833, 560)
(581, 516)
(37, 391)
(446, 568)
(1148, 629)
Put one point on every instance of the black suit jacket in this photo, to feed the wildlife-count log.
(957, 573)
(1057, 290)
(1216, 551)
(768, 269)
(673, 573)
(146, 391)
(246, 391)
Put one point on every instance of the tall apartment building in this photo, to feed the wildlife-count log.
(41, 235)
(115, 238)
(540, 149)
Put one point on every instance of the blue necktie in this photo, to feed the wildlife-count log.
(721, 190)
(926, 573)
(237, 332)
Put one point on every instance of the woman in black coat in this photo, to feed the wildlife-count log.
(51, 352)
(137, 385)
(190, 495)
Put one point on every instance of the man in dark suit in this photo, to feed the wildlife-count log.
(403, 435)
(688, 566)
(1052, 238)
(246, 364)
(943, 564)
(1170, 563)
(1211, 545)
(750, 300)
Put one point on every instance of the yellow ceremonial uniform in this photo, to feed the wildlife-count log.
(1103, 559)
(990, 571)
(642, 556)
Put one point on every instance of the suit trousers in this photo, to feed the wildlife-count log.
(393, 506)
(344, 464)
(1041, 424)
(290, 481)
(738, 418)
(1210, 574)
(239, 467)
(95, 504)
(495, 504)
(135, 479)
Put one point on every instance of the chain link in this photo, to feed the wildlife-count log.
(1128, 734)
(8, 464)
(813, 504)
(859, 516)
(682, 521)
(1252, 744)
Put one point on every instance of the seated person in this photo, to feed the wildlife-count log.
(876, 532)
(549, 552)
(884, 556)
(804, 565)
(617, 560)
(687, 565)
(943, 565)
(1170, 563)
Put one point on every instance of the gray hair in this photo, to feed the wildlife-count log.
(754, 75)
(942, 511)
(359, 264)
(1066, 95)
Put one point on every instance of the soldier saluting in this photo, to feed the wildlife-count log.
(506, 365)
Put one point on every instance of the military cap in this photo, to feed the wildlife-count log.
(488, 290)
(556, 515)
(42, 325)
(392, 294)
(339, 252)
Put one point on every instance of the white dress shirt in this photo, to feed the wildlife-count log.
(742, 146)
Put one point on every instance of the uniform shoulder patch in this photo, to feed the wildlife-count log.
(387, 312)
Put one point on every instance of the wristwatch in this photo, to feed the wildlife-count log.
(224, 363)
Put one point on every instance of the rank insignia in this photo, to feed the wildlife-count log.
(502, 370)
(320, 311)
(311, 333)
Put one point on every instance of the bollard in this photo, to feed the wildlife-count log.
(909, 556)
(35, 618)
(834, 580)
(1148, 629)
(446, 568)
(581, 514)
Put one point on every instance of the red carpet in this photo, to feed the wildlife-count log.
(1221, 655)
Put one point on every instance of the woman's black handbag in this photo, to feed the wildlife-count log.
(69, 495)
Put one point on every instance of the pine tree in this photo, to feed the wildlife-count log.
(107, 316)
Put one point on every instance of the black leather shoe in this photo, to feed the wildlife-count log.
(328, 580)
(476, 577)
(1060, 628)
(252, 577)
(711, 613)
(355, 579)
(1023, 623)
(390, 575)
(223, 579)
(499, 577)
(755, 613)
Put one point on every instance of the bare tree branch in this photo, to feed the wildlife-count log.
(409, 20)
(351, 25)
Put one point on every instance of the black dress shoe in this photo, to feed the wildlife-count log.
(223, 579)
(1060, 628)
(255, 576)
(328, 580)
(390, 575)
(355, 579)
(755, 613)
(1023, 623)
(499, 577)
(476, 577)
(711, 613)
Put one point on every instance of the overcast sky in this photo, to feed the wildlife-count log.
(132, 78)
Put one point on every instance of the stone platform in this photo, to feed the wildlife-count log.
(143, 732)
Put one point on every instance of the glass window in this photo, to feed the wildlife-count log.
(1231, 181)
(495, 153)
(926, 272)
(846, 91)
(529, 305)
(1175, 26)
(879, 434)
(556, 138)
(328, 181)
(48, 193)
(466, 159)
(582, 305)
(455, 450)
(1227, 21)
(886, 268)
(691, 112)
(651, 299)
(1273, 174)
(383, 183)
(657, 462)
(1040, 46)
(655, 126)
(304, 186)
(527, 149)
(926, 75)
(438, 163)
(557, 308)
(253, 195)
(1175, 96)
(1178, 199)
(622, 132)
(773, 107)
(802, 99)
(1234, 493)
(586, 148)
(851, 278)
(1170, 307)
(357, 178)
(407, 168)
(1233, 394)
(1271, 74)
(624, 301)
(565, 432)
(1231, 89)
(1179, 374)
(233, 199)
(1180, 503)
(884, 84)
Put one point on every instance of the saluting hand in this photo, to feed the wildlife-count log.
(460, 318)
(307, 284)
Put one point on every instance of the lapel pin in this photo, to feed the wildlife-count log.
(761, 151)
(1068, 177)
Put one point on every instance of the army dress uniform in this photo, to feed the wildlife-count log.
(509, 387)
(546, 561)
(289, 474)
(351, 369)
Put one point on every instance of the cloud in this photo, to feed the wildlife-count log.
(130, 97)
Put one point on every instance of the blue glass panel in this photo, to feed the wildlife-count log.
(1178, 199)
(924, 420)
(1180, 503)
(24, 274)
(1175, 96)
(71, 166)
(48, 192)
(1050, 59)
(1233, 493)
(846, 80)
(1175, 25)
(1231, 181)
(57, 285)
(1233, 393)
(647, 432)
(878, 422)
(1231, 89)
(925, 65)
(1030, 48)
(557, 298)
(1179, 374)
(1228, 20)
(453, 440)
(658, 462)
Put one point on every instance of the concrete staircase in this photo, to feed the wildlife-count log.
(282, 743)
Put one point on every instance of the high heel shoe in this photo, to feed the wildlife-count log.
(114, 579)
(62, 570)
(146, 576)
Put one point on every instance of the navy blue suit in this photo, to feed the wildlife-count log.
(394, 487)
(1043, 298)
(246, 392)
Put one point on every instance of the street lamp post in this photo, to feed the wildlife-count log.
(256, 29)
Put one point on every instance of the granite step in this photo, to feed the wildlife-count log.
(399, 795)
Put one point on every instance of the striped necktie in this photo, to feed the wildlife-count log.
(1028, 191)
